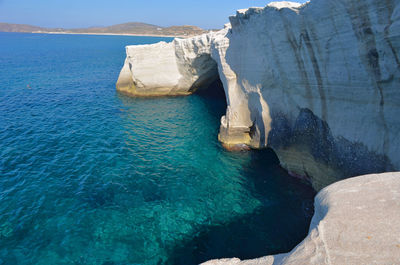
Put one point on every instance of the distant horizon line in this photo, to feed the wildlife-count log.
(104, 26)
(123, 29)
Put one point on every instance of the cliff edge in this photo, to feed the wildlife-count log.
(355, 222)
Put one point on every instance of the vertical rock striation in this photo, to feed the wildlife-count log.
(322, 83)
(319, 83)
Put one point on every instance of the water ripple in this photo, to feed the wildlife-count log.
(92, 177)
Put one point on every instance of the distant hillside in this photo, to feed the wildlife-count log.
(132, 27)
(5, 27)
(135, 28)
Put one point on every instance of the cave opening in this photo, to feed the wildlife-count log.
(208, 84)
(214, 90)
(212, 93)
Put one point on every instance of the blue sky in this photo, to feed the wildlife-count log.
(84, 13)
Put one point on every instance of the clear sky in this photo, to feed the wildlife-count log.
(84, 13)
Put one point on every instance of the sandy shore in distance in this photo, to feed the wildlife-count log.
(115, 34)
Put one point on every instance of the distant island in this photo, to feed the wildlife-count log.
(132, 28)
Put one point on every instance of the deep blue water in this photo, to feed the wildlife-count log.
(89, 176)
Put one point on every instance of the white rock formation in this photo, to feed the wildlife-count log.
(176, 68)
(356, 221)
(319, 82)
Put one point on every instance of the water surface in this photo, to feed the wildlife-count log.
(89, 176)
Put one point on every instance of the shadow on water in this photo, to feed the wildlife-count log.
(276, 227)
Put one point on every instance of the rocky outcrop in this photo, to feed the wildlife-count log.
(318, 83)
(356, 221)
(176, 68)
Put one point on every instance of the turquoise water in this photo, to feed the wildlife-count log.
(89, 176)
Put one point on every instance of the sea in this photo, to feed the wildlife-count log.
(91, 176)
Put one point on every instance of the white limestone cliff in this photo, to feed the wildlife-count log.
(356, 221)
(319, 83)
(176, 68)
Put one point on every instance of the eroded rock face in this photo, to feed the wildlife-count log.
(176, 68)
(319, 83)
(356, 221)
(322, 83)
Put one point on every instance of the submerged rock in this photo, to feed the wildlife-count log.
(236, 147)
(356, 221)
(318, 83)
(6, 230)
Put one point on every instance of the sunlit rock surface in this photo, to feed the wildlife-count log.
(356, 221)
(176, 68)
(319, 83)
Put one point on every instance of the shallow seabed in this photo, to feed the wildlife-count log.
(88, 176)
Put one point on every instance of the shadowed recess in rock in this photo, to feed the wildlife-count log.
(343, 158)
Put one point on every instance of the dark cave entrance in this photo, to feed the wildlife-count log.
(214, 90)
(214, 96)
(208, 84)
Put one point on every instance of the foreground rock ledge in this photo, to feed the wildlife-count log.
(318, 83)
(356, 221)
